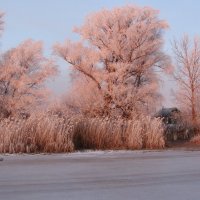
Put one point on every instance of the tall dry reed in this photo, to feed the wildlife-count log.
(119, 134)
(50, 133)
(39, 133)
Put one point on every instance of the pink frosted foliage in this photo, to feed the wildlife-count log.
(23, 72)
(119, 52)
(187, 75)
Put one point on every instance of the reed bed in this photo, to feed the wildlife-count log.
(39, 133)
(53, 134)
(143, 133)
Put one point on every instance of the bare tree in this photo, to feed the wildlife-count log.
(119, 52)
(23, 72)
(187, 74)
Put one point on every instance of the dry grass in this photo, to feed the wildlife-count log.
(108, 134)
(39, 133)
(49, 133)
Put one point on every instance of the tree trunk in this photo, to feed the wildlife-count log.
(193, 107)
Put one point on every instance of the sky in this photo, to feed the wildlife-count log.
(53, 20)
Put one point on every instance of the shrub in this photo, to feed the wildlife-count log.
(195, 139)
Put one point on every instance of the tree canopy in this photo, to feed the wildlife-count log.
(119, 52)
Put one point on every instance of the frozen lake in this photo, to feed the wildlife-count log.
(138, 175)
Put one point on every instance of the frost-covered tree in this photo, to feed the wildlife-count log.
(119, 53)
(84, 98)
(187, 75)
(23, 72)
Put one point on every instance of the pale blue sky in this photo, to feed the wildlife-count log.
(53, 20)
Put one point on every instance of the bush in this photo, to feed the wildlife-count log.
(195, 140)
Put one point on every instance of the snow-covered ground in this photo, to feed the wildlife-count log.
(117, 175)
